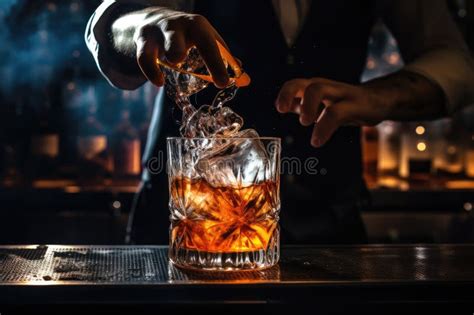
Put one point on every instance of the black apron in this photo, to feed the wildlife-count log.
(321, 206)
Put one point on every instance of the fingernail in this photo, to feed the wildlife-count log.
(279, 106)
(316, 142)
(305, 121)
(221, 83)
(302, 121)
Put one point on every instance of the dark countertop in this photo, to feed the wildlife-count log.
(338, 275)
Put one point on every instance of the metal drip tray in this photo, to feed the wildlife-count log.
(79, 264)
(142, 274)
(101, 265)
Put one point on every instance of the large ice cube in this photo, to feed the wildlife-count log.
(209, 121)
(238, 161)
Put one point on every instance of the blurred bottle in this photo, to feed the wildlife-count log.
(469, 157)
(44, 144)
(13, 136)
(389, 148)
(74, 108)
(8, 164)
(467, 117)
(92, 147)
(370, 151)
(449, 148)
(416, 152)
(15, 139)
(126, 148)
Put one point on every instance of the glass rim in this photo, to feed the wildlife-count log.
(224, 138)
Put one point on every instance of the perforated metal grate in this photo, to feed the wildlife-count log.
(135, 275)
(30, 265)
(149, 265)
(82, 264)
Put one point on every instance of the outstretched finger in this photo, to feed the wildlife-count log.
(326, 125)
(290, 95)
(316, 97)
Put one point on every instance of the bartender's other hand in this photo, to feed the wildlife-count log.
(168, 35)
(327, 104)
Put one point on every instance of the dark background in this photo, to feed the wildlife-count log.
(50, 85)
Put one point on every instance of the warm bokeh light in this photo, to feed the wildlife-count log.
(451, 150)
(393, 58)
(371, 64)
(420, 130)
(421, 146)
(468, 206)
(116, 204)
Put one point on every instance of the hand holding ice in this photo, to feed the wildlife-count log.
(215, 160)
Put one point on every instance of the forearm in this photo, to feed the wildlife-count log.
(406, 96)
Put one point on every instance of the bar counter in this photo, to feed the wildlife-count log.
(331, 277)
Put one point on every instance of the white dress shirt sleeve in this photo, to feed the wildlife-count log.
(432, 46)
(98, 41)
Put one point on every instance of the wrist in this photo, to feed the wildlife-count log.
(379, 101)
(406, 96)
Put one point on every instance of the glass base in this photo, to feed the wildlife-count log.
(231, 261)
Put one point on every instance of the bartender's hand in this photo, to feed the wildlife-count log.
(329, 104)
(159, 32)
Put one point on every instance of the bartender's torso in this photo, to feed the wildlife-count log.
(332, 43)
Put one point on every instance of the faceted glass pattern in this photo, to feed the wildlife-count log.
(225, 203)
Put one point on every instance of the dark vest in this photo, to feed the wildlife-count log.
(333, 45)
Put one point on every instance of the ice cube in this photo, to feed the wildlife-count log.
(239, 161)
(182, 84)
(209, 121)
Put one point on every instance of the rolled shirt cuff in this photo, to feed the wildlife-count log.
(452, 70)
(98, 42)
